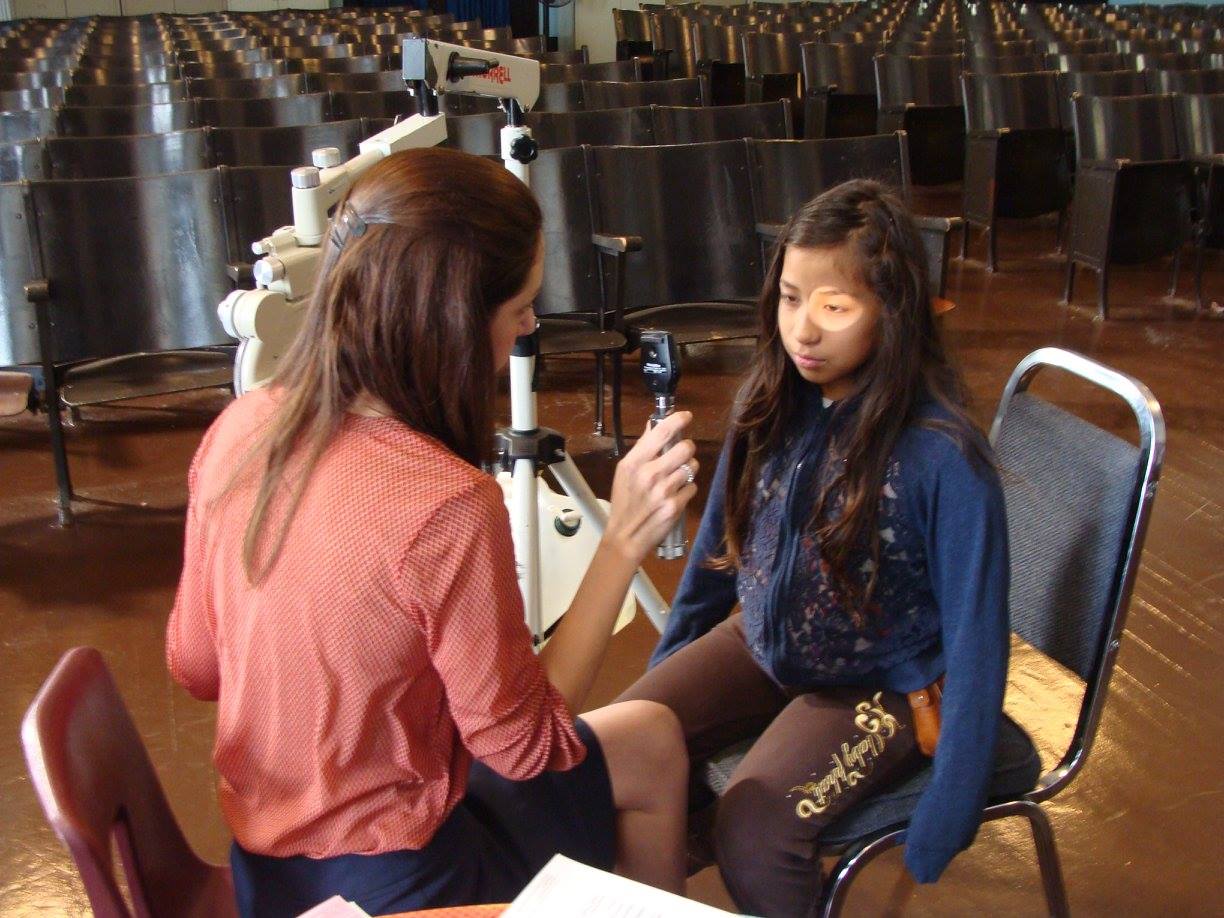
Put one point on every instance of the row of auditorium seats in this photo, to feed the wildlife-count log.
(757, 60)
(933, 98)
(1138, 171)
(648, 125)
(201, 148)
(177, 151)
(1147, 182)
(697, 35)
(942, 72)
(1025, 143)
(116, 251)
(928, 95)
(561, 93)
(270, 103)
(216, 212)
(166, 40)
(853, 68)
(109, 142)
(765, 55)
(313, 70)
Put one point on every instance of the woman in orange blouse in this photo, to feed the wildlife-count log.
(385, 731)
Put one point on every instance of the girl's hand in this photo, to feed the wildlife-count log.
(649, 491)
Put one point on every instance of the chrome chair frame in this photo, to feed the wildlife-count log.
(1148, 414)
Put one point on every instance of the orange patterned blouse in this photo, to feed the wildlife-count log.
(385, 648)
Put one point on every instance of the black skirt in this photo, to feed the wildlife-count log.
(499, 836)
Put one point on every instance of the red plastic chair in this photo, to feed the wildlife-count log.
(93, 776)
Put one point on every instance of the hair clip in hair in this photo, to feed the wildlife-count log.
(351, 223)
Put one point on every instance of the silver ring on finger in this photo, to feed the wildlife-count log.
(689, 477)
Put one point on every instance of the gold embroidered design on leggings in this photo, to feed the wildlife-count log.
(853, 762)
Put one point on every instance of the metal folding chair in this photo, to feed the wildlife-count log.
(1078, 502)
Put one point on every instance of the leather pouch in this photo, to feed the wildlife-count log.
(925, 704)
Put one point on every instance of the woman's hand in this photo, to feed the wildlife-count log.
(650, 491)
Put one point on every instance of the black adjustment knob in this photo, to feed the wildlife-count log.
(524, 149)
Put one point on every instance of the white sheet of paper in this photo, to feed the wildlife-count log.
(568, 889)
(335, 907)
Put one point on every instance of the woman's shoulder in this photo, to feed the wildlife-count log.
(402, 455)
(379, 464)
(238, 426)
(409, 479)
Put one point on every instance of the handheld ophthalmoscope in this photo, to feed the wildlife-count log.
(661, 371)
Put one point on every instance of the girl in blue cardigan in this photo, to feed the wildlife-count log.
(857, 521)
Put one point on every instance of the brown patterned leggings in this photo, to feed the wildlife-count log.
(819, 753)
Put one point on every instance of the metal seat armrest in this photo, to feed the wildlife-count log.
(1117, 165)
(614, 305)
(770, 231)
(1103, 165)
(616, 245)
(994, 134)
(938, 224)
(241, 273)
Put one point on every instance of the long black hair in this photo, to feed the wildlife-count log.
(908, 366)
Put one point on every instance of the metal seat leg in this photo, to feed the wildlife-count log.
(599, 395)
(1047, 860)
(836, 891)
(1069, 289)
(1198, 274)
(618, 430)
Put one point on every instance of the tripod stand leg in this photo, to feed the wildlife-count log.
(570, 478)
(524, 530)
(524, 518)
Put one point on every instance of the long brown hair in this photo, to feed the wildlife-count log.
(908, 366)
(422, 250)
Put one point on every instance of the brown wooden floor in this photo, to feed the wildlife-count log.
(1139, 832)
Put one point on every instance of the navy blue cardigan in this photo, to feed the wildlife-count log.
(940, 602)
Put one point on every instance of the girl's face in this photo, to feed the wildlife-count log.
(516, 316)
(827, 318)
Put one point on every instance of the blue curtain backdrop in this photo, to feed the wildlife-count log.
(491, 13)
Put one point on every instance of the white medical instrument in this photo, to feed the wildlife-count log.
(265, 320)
